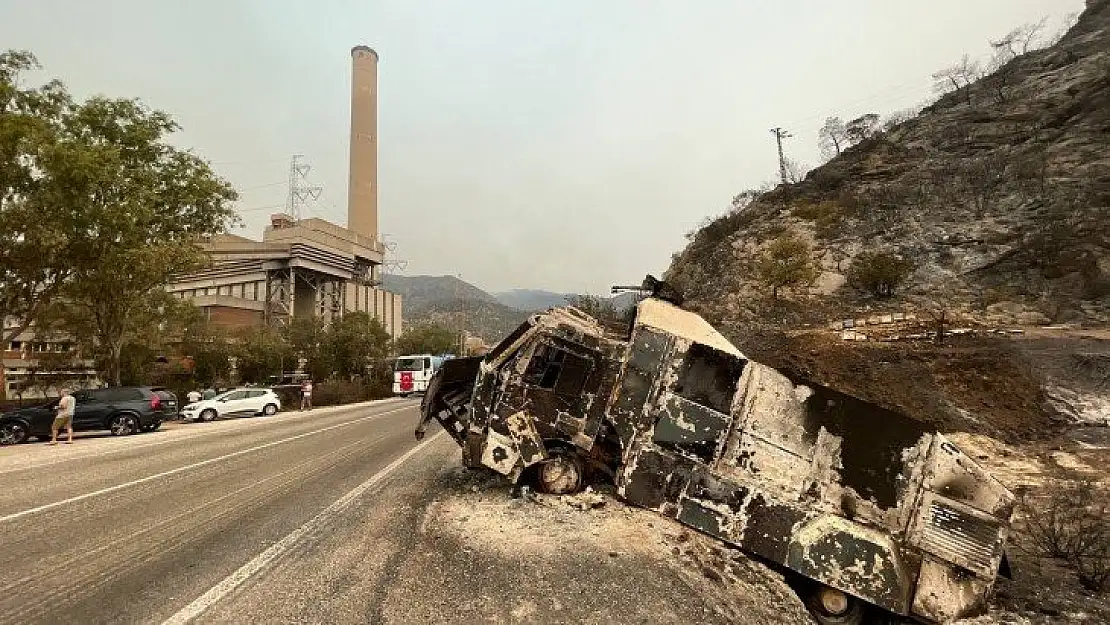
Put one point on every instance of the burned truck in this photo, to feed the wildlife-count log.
(858, 505)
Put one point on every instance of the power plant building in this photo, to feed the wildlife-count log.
(308, 267)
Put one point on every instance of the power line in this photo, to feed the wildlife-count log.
(259, 208)
(267, 185)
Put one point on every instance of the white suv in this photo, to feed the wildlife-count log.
(241, 401)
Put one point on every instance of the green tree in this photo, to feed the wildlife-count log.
(786, 263)
(878, 273)
(427, 339)
(142, 204)
(354, 341)
(262, 354)
(34, 223)
(208, 347)
(306, 338)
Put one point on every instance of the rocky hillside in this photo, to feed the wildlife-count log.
(454, 303)
(490, 320)
(995, 199)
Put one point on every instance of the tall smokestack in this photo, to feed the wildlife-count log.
(362, 188)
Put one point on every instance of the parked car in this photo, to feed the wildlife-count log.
(171, 408)
(238, 402)
(121, 410)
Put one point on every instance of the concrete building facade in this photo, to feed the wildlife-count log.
(33, 366)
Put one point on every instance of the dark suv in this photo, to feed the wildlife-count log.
(121, 410)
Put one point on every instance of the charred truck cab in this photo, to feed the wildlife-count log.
(862, 504)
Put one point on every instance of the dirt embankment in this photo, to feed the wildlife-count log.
(983, 385)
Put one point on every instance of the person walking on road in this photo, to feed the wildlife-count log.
(63, 417)
(306, 395)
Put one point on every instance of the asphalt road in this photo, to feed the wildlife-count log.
(332, 516)
(143, 528)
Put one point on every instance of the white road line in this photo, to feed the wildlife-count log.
(156, 476)
(218, 428)
(276, 550)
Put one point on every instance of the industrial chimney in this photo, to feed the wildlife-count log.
(362, 188)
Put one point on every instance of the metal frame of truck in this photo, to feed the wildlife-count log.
(862, 500)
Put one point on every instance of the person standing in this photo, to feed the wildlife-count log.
(306, 395)
(193, 396)
(63, 417)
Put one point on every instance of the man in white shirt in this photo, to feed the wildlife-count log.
(63, 417)
(306, 395)
(193, 396)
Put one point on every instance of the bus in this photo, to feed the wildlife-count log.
(411, 373)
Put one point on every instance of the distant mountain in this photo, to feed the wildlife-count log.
(490, 320)
(531, 299)
(454, 303)
(422, 291)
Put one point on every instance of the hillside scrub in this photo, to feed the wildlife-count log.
(984, 193)
(878, 273)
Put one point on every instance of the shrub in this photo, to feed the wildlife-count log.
(786, 263)
(878, 273)
(1070, 524)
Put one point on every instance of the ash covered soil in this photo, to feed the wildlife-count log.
(586, 559)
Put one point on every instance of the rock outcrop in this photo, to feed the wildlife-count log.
(998, 195)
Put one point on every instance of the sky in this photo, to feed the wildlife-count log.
(562, 145)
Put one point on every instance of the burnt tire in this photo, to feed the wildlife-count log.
(563, 473)
(13, 433)
(829, 606)
(123, 425)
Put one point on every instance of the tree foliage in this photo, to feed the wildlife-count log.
(144, 205)
(34, 223)
(427, 338)
(862, 128)
(958, 77)
(354, 341)
(263, 355)
(833, 137)
(97, 208)
(878, 273)
(787, 263)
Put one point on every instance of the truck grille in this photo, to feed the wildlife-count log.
(960, 537)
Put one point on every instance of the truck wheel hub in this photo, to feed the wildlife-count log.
(833, 601)
(560, 476)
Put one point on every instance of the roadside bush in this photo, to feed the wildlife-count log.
(336, 392)
(1071, 524)
(878, 273)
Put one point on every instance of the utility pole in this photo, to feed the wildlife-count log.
(299, 189)
(781, 134)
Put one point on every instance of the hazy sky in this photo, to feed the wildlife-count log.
(562, 145)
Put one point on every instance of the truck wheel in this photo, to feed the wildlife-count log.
(561, 474)
(830, 606)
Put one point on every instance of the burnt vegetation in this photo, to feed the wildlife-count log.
(1071, 523)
